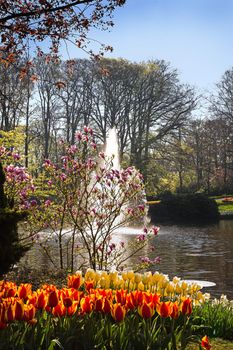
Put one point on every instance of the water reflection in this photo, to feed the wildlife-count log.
(200, 253)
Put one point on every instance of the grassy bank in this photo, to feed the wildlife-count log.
(225, 205)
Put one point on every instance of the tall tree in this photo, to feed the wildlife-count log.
(12, 95)
(48, 108)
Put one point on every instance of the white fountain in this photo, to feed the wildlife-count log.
(112, 148)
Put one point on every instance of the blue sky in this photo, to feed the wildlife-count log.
(195, 36)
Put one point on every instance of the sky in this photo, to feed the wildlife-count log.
(195, 36)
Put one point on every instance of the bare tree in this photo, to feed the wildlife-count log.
(12, 96)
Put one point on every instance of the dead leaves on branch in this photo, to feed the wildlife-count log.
(54, 20)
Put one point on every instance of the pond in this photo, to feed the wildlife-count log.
(197, 252)
(190, 252)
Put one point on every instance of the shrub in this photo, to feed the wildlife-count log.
(184, 208)
(10, 248)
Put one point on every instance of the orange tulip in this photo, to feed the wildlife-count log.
(29, 312)
(32, 299)
(41, 300)
(155, 299)
(205, 343)
(11, 292)
(106, 306)
(146, 310)
(19, 310)
(2, 312)
(74, 281)
(186, 307)
(89, 285)
(52, 299)
(147, 297)
(67, 301)
(120, 296)
(164, 309)
(118, 312)
(99, 304)
(10, 313)
(136, 297)
(86, 304)
(24, 290)
(72, 309)
(59, 310)
(175, 310)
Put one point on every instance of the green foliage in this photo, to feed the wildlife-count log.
(10, 248)
(217, 317)
(185, 208)
(95, 331)
(13, 139)
(224, 207)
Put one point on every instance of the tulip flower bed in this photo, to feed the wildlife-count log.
(100, 311)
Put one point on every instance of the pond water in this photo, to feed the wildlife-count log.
(190, 252)
(197, 253)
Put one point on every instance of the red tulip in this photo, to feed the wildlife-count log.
(59, 310)
(187, 307)
(19, 310)
(24, 290)
(205, 343)
(175, 310)
(120, 296)
(41, 300)
(164, 309)
(29, 312)
(89, 285)
(106, 306)
(86, 304)
(10, 313)
(74, 281)
(146, 310)
(67, 301)
(53, 299)
(118, 312)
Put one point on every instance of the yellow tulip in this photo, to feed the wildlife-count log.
(130, 275)
(137, 278)
(141, 286)
(90, 274)
(124, 275)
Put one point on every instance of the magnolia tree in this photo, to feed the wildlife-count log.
(18, 183)
(91, 200)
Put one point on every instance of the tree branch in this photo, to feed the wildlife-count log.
(44, 11)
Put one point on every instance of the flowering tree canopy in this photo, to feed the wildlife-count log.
(23, 21)
(90, 201)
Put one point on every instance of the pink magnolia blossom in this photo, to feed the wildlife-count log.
(78, 136)
(141, 237)
(155, 230)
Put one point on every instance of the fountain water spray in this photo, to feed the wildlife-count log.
(112, 148)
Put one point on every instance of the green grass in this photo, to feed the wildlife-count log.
(224, 207)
